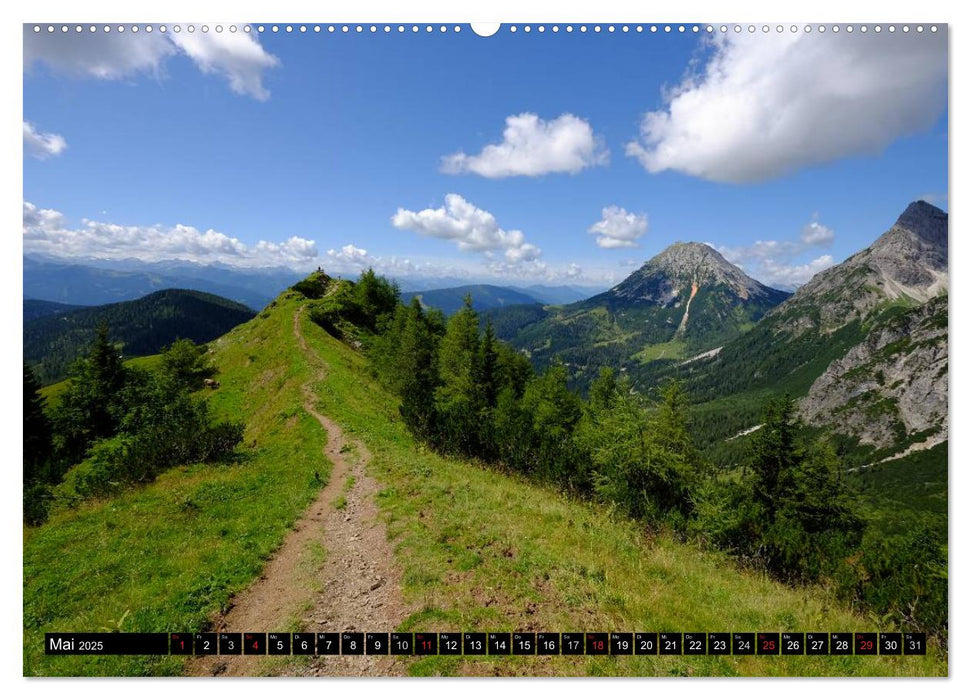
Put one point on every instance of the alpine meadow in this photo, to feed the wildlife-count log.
(571, 350)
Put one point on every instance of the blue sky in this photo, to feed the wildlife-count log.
(786, 152)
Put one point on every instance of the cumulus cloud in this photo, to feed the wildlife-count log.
(532, 146)
(108, 56)
(45, 231)
(573, 271)
(619, 228)
(470, 228)
(776, 263)
(350, 253)
(814, 233)
(763, 106)
(42, 145)
(237, 57)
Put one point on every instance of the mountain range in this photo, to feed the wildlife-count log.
(862, 345)
(94, 282)
(484, 297)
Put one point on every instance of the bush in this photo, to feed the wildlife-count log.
(314, 287)
(125, 459)
(219, 442)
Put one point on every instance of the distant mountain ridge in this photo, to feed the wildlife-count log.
(92, 283)
(142, 327)
(558, 294)
(37, 308)
(484, 297)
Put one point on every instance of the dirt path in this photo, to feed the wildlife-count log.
(334, 572)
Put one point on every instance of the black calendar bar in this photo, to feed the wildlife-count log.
(108, 643)
(491, 644)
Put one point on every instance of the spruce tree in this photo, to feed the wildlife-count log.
(775, 454)
(555, 411)
(93, 404)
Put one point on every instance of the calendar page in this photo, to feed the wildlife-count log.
(517, 349)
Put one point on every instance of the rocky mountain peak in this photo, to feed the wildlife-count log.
(681, 267)
(909, 261)
(926, 221)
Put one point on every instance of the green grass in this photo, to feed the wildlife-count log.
(671, 350)
(478, 549)
(487, 551)
(167, 556)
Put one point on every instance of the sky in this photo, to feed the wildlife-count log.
(552, 158)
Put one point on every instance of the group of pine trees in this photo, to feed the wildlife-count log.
(116, 425)
(465, 393)
(786, 509)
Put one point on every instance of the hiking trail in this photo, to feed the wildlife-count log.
(334, 572)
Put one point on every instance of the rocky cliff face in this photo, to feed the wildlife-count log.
(863, 344)
(891, 389)
(908, 262)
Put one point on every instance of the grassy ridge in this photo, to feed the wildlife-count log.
(479, 550)
(486, 551)
(166, 556)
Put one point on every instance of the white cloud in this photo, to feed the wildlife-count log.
(619, 228)
(573, 271)
(776, 263)
(350, 253)
(236, 56)
(764, 106)
(45, 231)
(815, 233)
(108, 56)
(470, 228)
(36, 218)
(42, 145)
(532, 146)
(293, 250)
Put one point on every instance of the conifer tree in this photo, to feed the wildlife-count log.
(457, 397)
(417, 371)
(91, 407)
(555, 411)
(603, 391)
(775, 454)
